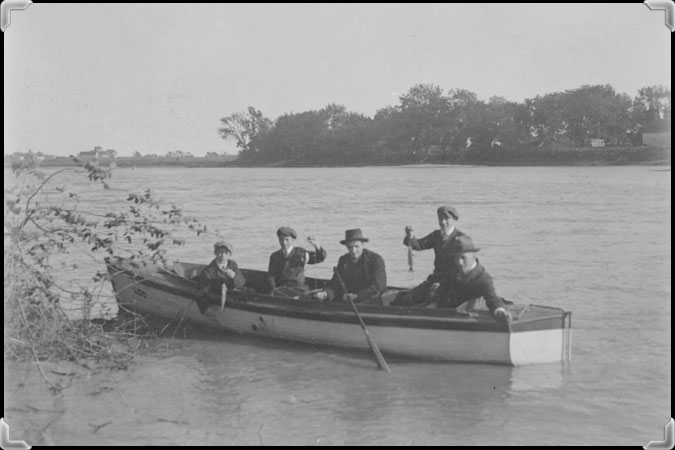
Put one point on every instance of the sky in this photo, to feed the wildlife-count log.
(158, 78)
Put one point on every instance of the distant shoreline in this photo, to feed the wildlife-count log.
(604, 156)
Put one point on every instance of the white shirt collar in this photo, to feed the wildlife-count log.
(285, 252)
(449, 232)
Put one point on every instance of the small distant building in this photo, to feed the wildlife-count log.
(656, 139)
(97, 153)
(93, 154)
(22, 156)
(27, 156)
(597, 142)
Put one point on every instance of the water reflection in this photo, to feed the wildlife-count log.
(301, 394)
(538, 377)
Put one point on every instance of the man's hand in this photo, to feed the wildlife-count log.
(433, 287)
(503, 315)
(347, 297)
(321, 295)
(314, 241)
(409, 232)
(230, 273)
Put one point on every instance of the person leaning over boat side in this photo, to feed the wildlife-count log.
(361, 270)
(440, 241)
(221, 270)
(286, 272)
(469, 281)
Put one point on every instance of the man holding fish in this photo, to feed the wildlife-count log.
(440, 240)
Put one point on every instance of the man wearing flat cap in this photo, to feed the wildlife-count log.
(440, 240)
(221, 270)
(470, 281)
(361, 270)
(286, 272)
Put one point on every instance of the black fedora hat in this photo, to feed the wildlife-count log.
(462, 244)
(354, 235)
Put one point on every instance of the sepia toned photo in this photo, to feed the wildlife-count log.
(337, 224)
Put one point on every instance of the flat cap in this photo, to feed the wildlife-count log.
(448, 211)
(223, 244)
(287, 231)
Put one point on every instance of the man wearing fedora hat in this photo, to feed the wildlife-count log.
(286, 270)
(470, 281)
(361, 270)
(221, 270)
(440, 240)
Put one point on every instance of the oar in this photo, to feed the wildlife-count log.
(373, 346)
(410, 259)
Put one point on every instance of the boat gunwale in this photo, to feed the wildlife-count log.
(398, 316)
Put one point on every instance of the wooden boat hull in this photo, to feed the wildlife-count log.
(537, 335)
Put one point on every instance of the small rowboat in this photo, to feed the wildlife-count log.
(537, 334)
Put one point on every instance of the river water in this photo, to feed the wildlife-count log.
(593, 240)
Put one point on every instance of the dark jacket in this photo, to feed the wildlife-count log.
(443, 260)
(459, 288)
(366, 277)
(290, 271)
(211, 278)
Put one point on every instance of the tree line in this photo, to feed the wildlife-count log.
(430, 125)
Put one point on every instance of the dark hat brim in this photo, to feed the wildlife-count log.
(448, 214)
(468, 250)
(343, 242)
(287, 232)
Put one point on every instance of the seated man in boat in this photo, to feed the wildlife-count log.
(361, 270)
(440, 240)
(286, 272)
(222, 270)
(470, 281)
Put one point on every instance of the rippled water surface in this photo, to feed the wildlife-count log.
(593, 240)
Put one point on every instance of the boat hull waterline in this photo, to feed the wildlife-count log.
(537, 334)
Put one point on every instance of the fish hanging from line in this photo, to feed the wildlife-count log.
(410, 259)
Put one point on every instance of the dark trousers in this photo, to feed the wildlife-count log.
(418, 296)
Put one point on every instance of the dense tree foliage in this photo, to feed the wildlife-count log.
(430, 125)
(246, 129)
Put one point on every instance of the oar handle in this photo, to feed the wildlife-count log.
(223, 296)
(371, 342)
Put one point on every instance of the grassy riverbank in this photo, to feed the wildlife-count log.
(563, 156)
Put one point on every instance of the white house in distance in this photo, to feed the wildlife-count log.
(97, 153)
